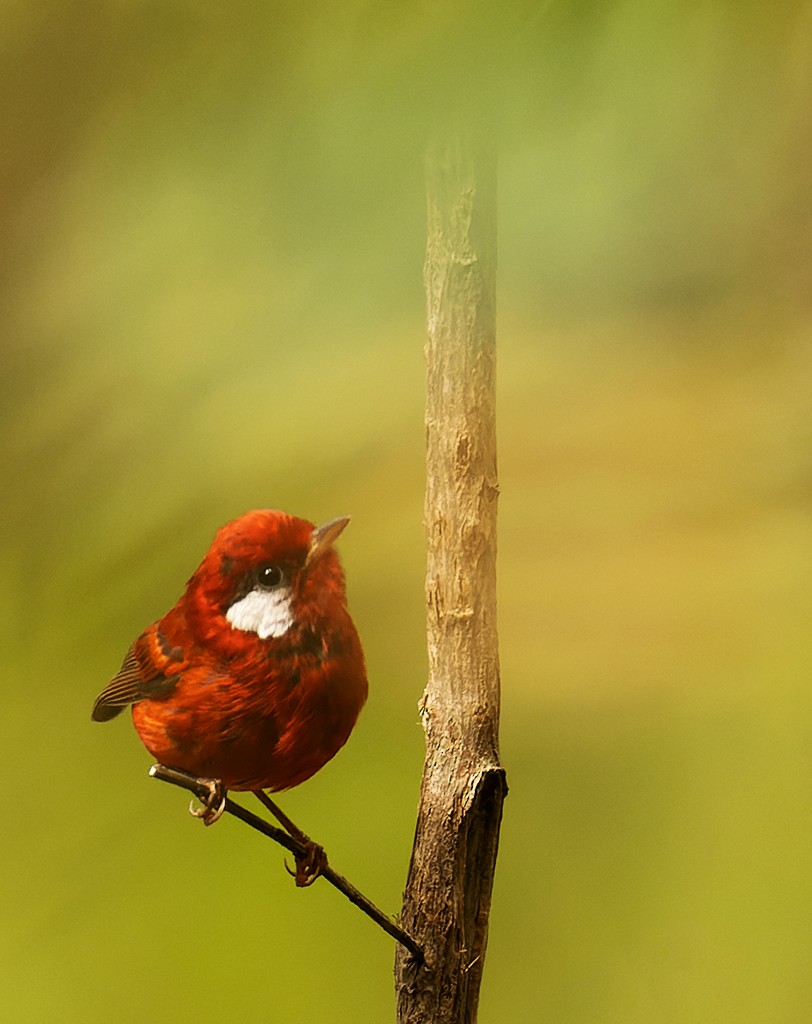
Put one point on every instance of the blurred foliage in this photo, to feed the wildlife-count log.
(210, 299)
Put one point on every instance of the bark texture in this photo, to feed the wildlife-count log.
(448, 893)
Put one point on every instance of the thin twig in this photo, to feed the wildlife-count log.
(200, 790)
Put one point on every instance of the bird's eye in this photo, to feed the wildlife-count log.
(269, 576)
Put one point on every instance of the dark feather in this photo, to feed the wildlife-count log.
(129, 685)
(122, 690)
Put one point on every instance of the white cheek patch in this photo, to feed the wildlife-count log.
(264, 612)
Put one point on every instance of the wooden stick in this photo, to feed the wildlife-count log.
(448, 892)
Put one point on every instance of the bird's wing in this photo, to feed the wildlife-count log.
(150, 671)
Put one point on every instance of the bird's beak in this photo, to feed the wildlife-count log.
(323, 538)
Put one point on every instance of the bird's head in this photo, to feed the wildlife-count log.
(264, 573)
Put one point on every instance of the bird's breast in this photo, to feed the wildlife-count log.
(269, 719)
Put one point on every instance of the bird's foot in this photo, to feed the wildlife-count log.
(313, 860)
(214, 802)
(310, 865)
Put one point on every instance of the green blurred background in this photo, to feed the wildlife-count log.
(211, 300)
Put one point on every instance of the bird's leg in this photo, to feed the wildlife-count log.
(210, 792)
(314, 860)
(214, 801)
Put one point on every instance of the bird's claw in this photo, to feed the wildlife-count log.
(214, 802)
(312, 861)
(309, 866)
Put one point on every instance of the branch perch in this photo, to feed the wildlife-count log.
(194, 785)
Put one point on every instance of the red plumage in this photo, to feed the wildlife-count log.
(256, 677)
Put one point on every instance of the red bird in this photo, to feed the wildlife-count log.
(256, 677)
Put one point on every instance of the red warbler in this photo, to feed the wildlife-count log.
(256, 677)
